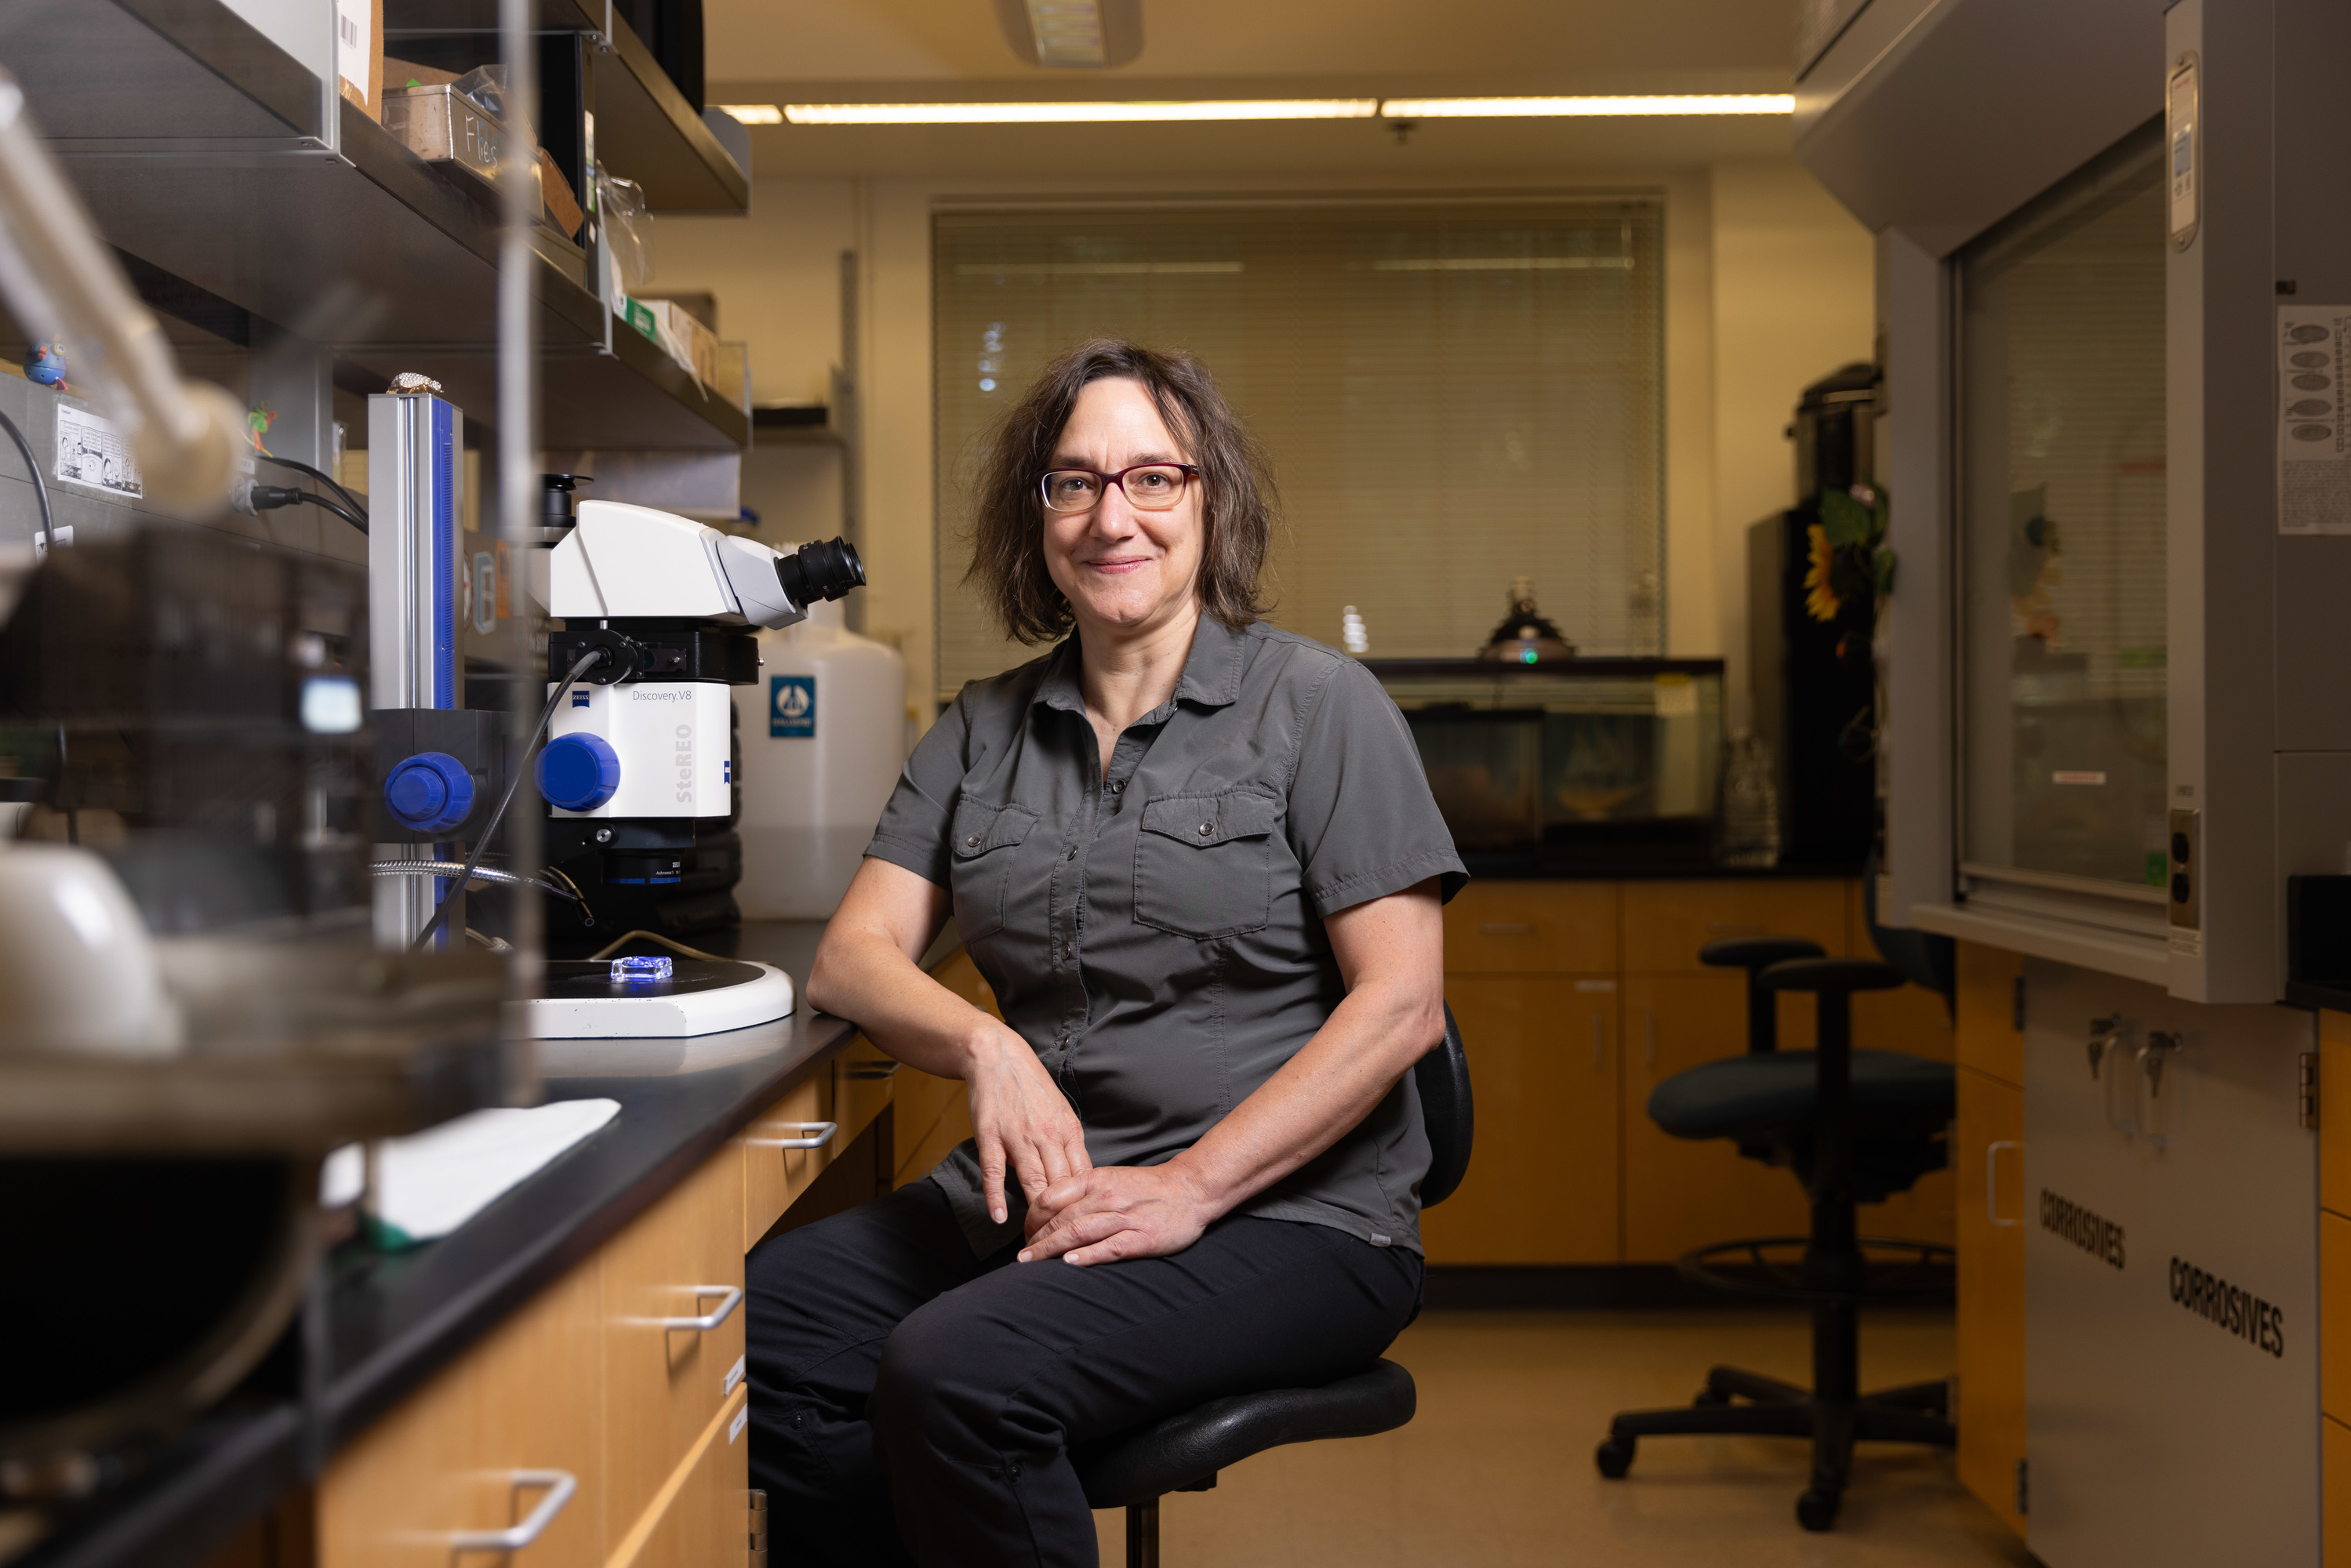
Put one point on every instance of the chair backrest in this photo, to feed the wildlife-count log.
(1443, 1078)
(1755, 955)
(1921, 958)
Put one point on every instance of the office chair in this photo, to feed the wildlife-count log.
(1855, 1127)
(1183, 1452)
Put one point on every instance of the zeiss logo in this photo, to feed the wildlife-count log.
(791, 707)
(579, 699)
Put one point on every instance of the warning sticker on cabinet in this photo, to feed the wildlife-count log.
(91, 451)
(2314, 419)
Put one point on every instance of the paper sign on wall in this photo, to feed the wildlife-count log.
(2314, 441)
(92, 452)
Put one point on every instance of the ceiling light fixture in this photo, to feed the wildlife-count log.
(1168, 112)
(1085, 35)
(1077, 113)
(1587, 108)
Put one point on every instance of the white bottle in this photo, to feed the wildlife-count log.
(824, 733)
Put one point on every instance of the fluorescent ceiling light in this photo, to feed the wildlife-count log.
(1652, 103)
(1506, 264)
(752, 113)
(1091, 268)
(1076, 113)
(1260, 109)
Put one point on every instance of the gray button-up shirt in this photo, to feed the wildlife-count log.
(1153, 927)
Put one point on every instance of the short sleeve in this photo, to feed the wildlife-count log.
(1362, 821)
(912, 832)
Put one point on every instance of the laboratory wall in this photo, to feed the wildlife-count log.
(1769, 286)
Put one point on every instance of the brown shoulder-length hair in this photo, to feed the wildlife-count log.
(1237, 500)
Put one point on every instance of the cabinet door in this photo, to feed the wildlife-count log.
(773, 1177)
(1532, 928)
(453, 1457)
(1680, 1194)
(1541, 1187)
(1988, 1150)
(1988, 1035)
(664, 1381)
(1666, 923)
(702, 1515)
(864, 1079)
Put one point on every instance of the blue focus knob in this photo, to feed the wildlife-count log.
(578, 772)
(430, 792)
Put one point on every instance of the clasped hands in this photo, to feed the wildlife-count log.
(1077, 1211)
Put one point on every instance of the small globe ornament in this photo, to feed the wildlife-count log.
(45, 364)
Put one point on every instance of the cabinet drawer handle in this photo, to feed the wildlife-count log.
(870, 1071)
(560, 1485)
(818, 1134)
(731, 1297)
(1506, 928)
(1992, 1183)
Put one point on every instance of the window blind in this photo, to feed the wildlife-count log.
(1452, 394)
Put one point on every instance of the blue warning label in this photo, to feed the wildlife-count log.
(791, 707)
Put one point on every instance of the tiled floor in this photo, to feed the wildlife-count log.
(1497, 1468)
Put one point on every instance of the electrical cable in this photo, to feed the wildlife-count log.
(266, 496)
(48, 543)
(588, 660)
(40, 485)
(341, 494)
(618, 943)
(488, 876)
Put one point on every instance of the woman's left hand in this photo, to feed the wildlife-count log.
(1112, 1212)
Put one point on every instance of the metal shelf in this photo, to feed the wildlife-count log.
(644, 128)
(197, 146)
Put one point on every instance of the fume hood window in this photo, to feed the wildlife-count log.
(2062, 501)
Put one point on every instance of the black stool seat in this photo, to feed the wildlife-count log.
(1183, 1452)
(1756, 1095)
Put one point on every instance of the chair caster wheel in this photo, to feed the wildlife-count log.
(1614, 1457)
(1816, 1510)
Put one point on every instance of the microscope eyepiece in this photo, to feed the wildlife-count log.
(820, 570)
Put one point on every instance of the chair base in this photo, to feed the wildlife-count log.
(1738, 1403)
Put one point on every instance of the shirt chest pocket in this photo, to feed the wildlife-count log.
(983, 844)
(1203, 863)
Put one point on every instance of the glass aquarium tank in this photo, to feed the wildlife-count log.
(2061, 525)
(1583, 764)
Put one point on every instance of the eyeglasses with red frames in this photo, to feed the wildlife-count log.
(1148, 487)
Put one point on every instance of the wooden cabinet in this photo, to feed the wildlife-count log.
(1543, 1064)
(1533, 928)
(481, 1448)
(934, 1114)
(702, 1516)
(1681, 1193)
(1988, 1150)
(773, 1172)
(663, 1378)
(1989, 1035)
(1666, 923)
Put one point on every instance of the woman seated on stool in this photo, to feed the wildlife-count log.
(1197, 860)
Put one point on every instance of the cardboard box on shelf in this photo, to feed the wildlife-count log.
(693, 345)
(359, 54)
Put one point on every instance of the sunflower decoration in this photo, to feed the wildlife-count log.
(1849, 561)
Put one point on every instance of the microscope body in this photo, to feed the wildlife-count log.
(639, 768)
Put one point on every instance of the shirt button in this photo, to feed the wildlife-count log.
(1206, 828)
(1072, 855)
(1118, 787)
(1068, 951)
(972, 843)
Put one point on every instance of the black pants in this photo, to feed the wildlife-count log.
(895, 1376)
